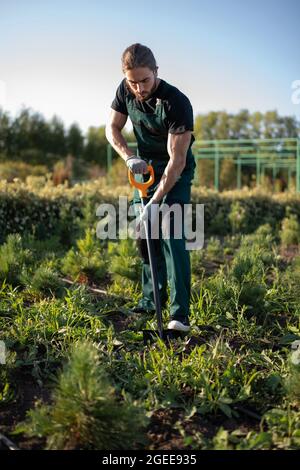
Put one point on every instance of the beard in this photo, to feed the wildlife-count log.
(145, 95)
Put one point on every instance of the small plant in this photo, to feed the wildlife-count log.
(85, 412)
(290, 231)
(283, 427)
(44, 281)
(214, 249)
(87, 262)
(232, 243)
(197, 257)
(124, 260)
(13, 258)
(247, 272)
(247, 268)
(259, 245)
(237, 217)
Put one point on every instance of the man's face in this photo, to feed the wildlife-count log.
(141, 82)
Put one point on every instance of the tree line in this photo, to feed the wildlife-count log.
(31, 138)
(245, 125)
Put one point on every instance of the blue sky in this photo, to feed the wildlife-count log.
(64, 57)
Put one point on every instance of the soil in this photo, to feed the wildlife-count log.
(164, 435)
(28, 392)
(162, 432)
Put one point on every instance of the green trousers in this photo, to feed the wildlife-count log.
(173, 260)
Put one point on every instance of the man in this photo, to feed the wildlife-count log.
(162, 119)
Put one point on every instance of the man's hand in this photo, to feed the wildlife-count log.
(136, 165)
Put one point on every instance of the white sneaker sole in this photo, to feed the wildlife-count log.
(177, 325)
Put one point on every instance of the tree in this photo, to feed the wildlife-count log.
(271, 125)
(39, 133)
(20, 133)
(256, 125)
(75, 141)
(205, 126)
(239, 128)
(96, 144)
(5, 133)
(223, 125)
(57, 144)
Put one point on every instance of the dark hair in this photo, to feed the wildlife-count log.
(138, 55)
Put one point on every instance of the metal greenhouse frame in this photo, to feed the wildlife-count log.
(262, 154)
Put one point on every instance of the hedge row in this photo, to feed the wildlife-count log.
(245, 210)
(40, 208)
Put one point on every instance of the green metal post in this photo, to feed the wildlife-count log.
(263, 175)
(196, 174)
(217, 165)
(257, 169)
(289, 177)
(274, 172)
(239, 173)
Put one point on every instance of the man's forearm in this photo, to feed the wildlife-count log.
(117, 141)
(169, 178)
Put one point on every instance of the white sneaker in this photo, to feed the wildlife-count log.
(177, 325)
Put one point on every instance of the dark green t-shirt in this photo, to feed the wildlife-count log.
(166, 111)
